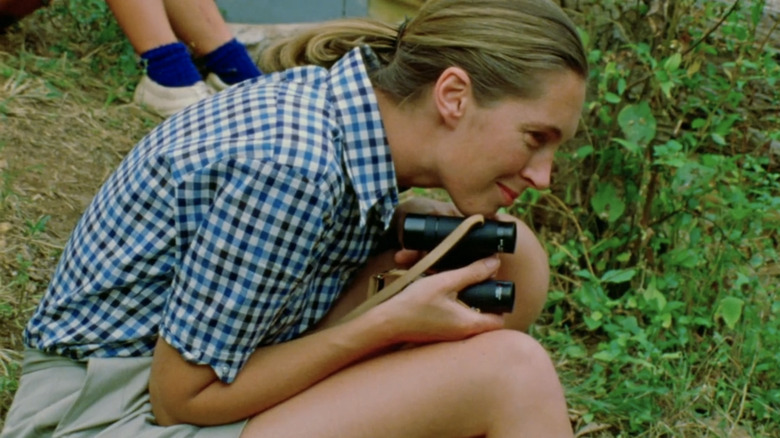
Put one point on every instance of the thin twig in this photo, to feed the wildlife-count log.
(744, 394)
(712, 28)
(580, 233)
(768, 36)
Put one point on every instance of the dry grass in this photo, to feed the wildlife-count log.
(58, 141)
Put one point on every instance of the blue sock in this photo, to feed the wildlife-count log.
(232, 63)
(171, 66)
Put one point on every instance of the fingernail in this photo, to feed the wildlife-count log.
(492, 262)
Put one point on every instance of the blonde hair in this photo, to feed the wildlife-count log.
(506, 47)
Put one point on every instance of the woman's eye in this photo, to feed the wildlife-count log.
(536, 139)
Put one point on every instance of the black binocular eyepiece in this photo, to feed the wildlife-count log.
(492, 296)
(425, 232)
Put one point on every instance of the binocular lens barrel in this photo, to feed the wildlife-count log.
(490, 296)
(423, 232)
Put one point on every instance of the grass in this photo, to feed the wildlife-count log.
(65, 125)
(662, 224)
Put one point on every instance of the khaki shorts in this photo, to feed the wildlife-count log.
(58, 397)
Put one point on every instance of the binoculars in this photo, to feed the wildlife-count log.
(425, 232)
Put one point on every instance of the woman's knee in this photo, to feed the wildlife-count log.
(519, 372)
(528, 267)
(511, 350)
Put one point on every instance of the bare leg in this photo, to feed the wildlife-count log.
(198, 24)
(528, 267)
(144, 23)
(153, 23)
(497, 384)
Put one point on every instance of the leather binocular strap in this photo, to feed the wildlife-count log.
(418, 269)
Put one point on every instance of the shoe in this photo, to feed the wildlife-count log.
(166, 101)
(215, 83)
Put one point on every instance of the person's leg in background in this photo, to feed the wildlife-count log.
(163, 33)
(172, 81)
(200, 25)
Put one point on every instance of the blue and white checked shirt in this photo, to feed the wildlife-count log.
(234, 224)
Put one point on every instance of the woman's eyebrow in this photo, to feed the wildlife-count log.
(548, 129)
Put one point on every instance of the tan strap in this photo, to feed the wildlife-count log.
(418, 269)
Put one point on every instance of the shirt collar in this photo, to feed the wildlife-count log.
(366, 156)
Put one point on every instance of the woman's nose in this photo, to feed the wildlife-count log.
(538, 170)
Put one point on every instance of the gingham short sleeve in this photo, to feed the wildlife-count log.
(250, 232)
(233, 225)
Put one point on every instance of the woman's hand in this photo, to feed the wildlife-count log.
(428, 309)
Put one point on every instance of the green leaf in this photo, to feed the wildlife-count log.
(618, 275)
(686, 258)
(667, 87)
(730, 310)
(717, 138)
(584, 151)
(591, 322)
(575, 351)
(669, 154)
(584, 36)
(673, 62)
(698, 123)
(605, 356)
(666, 320)
(629, 145)
(612, 97)
(653, 296)
(638, 123)
(584, 273)
(607, 203)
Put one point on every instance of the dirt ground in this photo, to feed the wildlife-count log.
(57, 145)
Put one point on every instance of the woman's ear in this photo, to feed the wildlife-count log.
(452, 94)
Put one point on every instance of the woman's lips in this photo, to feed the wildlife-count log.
(509, 194)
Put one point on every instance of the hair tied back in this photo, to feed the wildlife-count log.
(401, 30)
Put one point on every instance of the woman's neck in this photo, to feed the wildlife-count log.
(413, 137)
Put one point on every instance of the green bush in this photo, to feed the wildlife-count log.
(662, 224)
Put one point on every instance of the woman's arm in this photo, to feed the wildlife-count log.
(426, 311)
(182, 392)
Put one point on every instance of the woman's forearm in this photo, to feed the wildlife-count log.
(424, 312)
(185, 393)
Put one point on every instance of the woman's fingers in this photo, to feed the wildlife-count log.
(476, 272)
(428, 311)
(407, 257)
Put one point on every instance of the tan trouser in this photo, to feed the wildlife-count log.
(59, 397)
